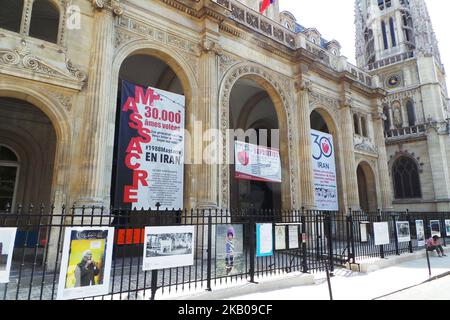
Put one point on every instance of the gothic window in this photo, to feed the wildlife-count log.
(406, 179)
(8, 177)
(385, 39)
(391, 25)
(11, 14)
(411, 113)
(44, 23)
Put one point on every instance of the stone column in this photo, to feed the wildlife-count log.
(207, 111)
(391, 118)
(383, 169)
(93, 177)
(304, 137)
(405, 122)
(348, 152)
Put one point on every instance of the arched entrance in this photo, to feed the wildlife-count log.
(146, 68)
(27, 154)
(252, 113)
(366, 188)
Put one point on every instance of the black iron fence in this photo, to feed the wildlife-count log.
(318, 239)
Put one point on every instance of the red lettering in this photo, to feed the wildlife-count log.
(128, 193)
(149, 97)
(134, 145)
(130, 105)
(145, 135)
(140, 176)
(128, 161)
(135, 122)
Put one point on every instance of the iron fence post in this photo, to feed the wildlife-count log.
(352, 237)
(330, 241)
(154, 284)
(209, 254)
(381, 246)
(397, 252)
(410, 245)
(304, 253)
(428, 261)
(252, 245)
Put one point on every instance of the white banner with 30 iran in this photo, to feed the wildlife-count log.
(324, 170)
(257, 163)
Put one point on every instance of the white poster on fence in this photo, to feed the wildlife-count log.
(420, 232)
(7, 238)
(168, 247)
(86, 262)
(403, 232)
(264, 240)
(435, 227)
(324, 171)
(364, 225)
(381, 233)
(294, 236)
(447, 228)
(257, 163)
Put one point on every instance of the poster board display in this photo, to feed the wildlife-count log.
(168, 247)
(229, 249)
(403, 231)
(7, 238)
(280, 237)
(86, 262)
(381, 233)
(324, 171)
(420, 233)
(435, 227)
(257, 163)
(150, 154)
(447, 228)
(264, 240)
(364, 231)
(294, 234)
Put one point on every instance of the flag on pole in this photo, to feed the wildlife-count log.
(265, 5)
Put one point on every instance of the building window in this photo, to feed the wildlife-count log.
(385, 39)
(391, 25)
(406, 179)
(356, 124)
(364, 127)
(411, 113)
(44, 23)
(9, 167)
(11, 15)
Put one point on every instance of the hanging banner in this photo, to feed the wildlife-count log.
(86, 262)
(324, 171)
(150, 160)
(257, 163)
(7, 238)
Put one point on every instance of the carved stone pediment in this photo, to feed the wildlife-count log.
(21, 62)
(364, 144)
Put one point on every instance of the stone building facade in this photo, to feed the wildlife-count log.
(61, 63)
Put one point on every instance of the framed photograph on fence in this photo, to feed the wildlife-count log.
(364, 231)
(294, 234)
(229, 249)
(403, 231)
(381, 233)
(420, 232)
(264, 240)
(86, 262)
(447, 228)
(7, 238)
(168, 247)
(435, 227)
(280, 237)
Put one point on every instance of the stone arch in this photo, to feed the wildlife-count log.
(60, 122)
(272, 84)
(370, 185)
(182, 69)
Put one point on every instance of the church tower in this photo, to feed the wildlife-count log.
(396, 43)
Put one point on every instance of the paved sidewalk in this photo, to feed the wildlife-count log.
(346, 284)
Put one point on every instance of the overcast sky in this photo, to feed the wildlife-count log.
(335, 20)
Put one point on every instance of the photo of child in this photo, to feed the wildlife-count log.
(229, 249)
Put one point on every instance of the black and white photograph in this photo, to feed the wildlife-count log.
(168, 247)
(420, 231)
(435, 227)
(403, 231)
(280, 237)
(7, 237)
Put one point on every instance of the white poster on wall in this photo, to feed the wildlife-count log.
(257, 163)
(381, 233)
(86, 262)
(420, 231)
(324, 171)
(264, 240)
(168, 247)
(403, 231)
(7, 239)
